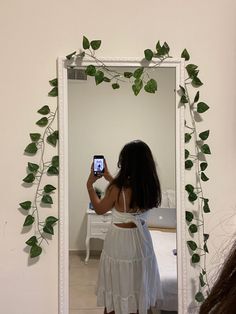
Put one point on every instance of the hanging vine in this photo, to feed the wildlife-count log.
(139, 79)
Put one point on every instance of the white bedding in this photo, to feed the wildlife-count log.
(164, 243)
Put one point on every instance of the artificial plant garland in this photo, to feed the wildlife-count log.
(139, 79)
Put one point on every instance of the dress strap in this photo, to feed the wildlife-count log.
(123, 194)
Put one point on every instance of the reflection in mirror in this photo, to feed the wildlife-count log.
(101, 121)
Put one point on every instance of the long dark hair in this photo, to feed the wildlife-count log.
(138, 172)
(222, 297)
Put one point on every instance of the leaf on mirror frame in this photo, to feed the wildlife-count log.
(204, 135)
(189, 216)
(187, 137)
(185, 55)
(128, 74)
(115, 86)
(205, 149)
(148, 54)
(91, 70)
(138, 73)
(32, 241)
(192, 245)
(29, 220)
(48, 188)
(25, 205)
(137, 86)
(188, 164)
(199, 297)
(186, 153)
(52, 170)
(86, 43)
(192, 197)
(206, 236)
(196, 82)
(68, 57)
(195, 258)
(158, 46)
(196, 98)
(51, 220)
(202, 107)
(193, 228)
(55, 161)
(35, 251)
(205, 248)
(204, 177)
(54, 82)
(191, 70)
(29, 178)
(189, 188)
(33, 167)
(31, 148)
(184, 99)
(52, 139)
(203, 166)
(35, 137)
(53, 92)
(48, 229)
(44, 110)
(151, 86)
(182, 89)
(95, 44)
(201, 280)
(42, 122)
(106, 79)
(206, 207)
(99, 77)
(47, 199)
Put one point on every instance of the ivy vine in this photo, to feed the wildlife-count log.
(195, 160)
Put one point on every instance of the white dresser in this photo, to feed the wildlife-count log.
(97, 226)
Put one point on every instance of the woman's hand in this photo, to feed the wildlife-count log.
(107, 174)
(92, 178)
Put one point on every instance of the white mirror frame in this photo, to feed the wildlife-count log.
(179, 66)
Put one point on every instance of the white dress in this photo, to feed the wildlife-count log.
(128, 277)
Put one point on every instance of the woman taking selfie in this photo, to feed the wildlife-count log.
(128, 278)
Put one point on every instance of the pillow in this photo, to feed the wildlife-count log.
(161, 217)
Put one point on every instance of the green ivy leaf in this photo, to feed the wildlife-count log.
(206, 207)
(203, 166)
(205, 248)
(35, 251)
(49, 188)
(99, 77)
(52, 170)
(182, 89)
(196, 82)
(185, 55)
(47, 199)
(148, 54)
(201, 280)
(48, 229)
(35, 137)
(54, 82)
(187, 137)
(192, 245)
(52, 138)
(137, 86)
(189, 216)
(31, 148)
(189, 188)
(33, 167)
(69, 57)
(51, 220)
(55, 161)
(188, 164)
(205, 149)
(196, 98)
(86, 43)
(106, 79)
(151, 86)
(193, 228)
(42, 122)
(202, 107)
(32, 241)
(91, 70)
(192, 70)
(128, 74)
(186, 153)
(115, 86)
(204, 177)
(138, 73)
(29, 178)
(184, 99)
(53, 92)
(192, 197)
(195, 258)
(205, 236)
(204, 135)
(95, 44)
(44, 110)
(25, 205)
(199, 297)
(29, 220)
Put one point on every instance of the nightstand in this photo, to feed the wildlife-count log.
(97, 227)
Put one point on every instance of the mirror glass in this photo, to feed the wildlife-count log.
(101, 121)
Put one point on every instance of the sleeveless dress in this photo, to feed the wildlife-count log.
(128, 276)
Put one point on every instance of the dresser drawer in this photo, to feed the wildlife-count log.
(100, 218)
(99, 228)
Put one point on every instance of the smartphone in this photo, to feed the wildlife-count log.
(98, 165)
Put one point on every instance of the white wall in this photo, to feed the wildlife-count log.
(32, 35)
(101, 121)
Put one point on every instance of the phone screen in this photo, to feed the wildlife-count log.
(98, 164)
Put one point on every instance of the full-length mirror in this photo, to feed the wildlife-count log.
(100, 121)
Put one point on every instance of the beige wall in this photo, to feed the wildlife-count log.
(33, 34)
